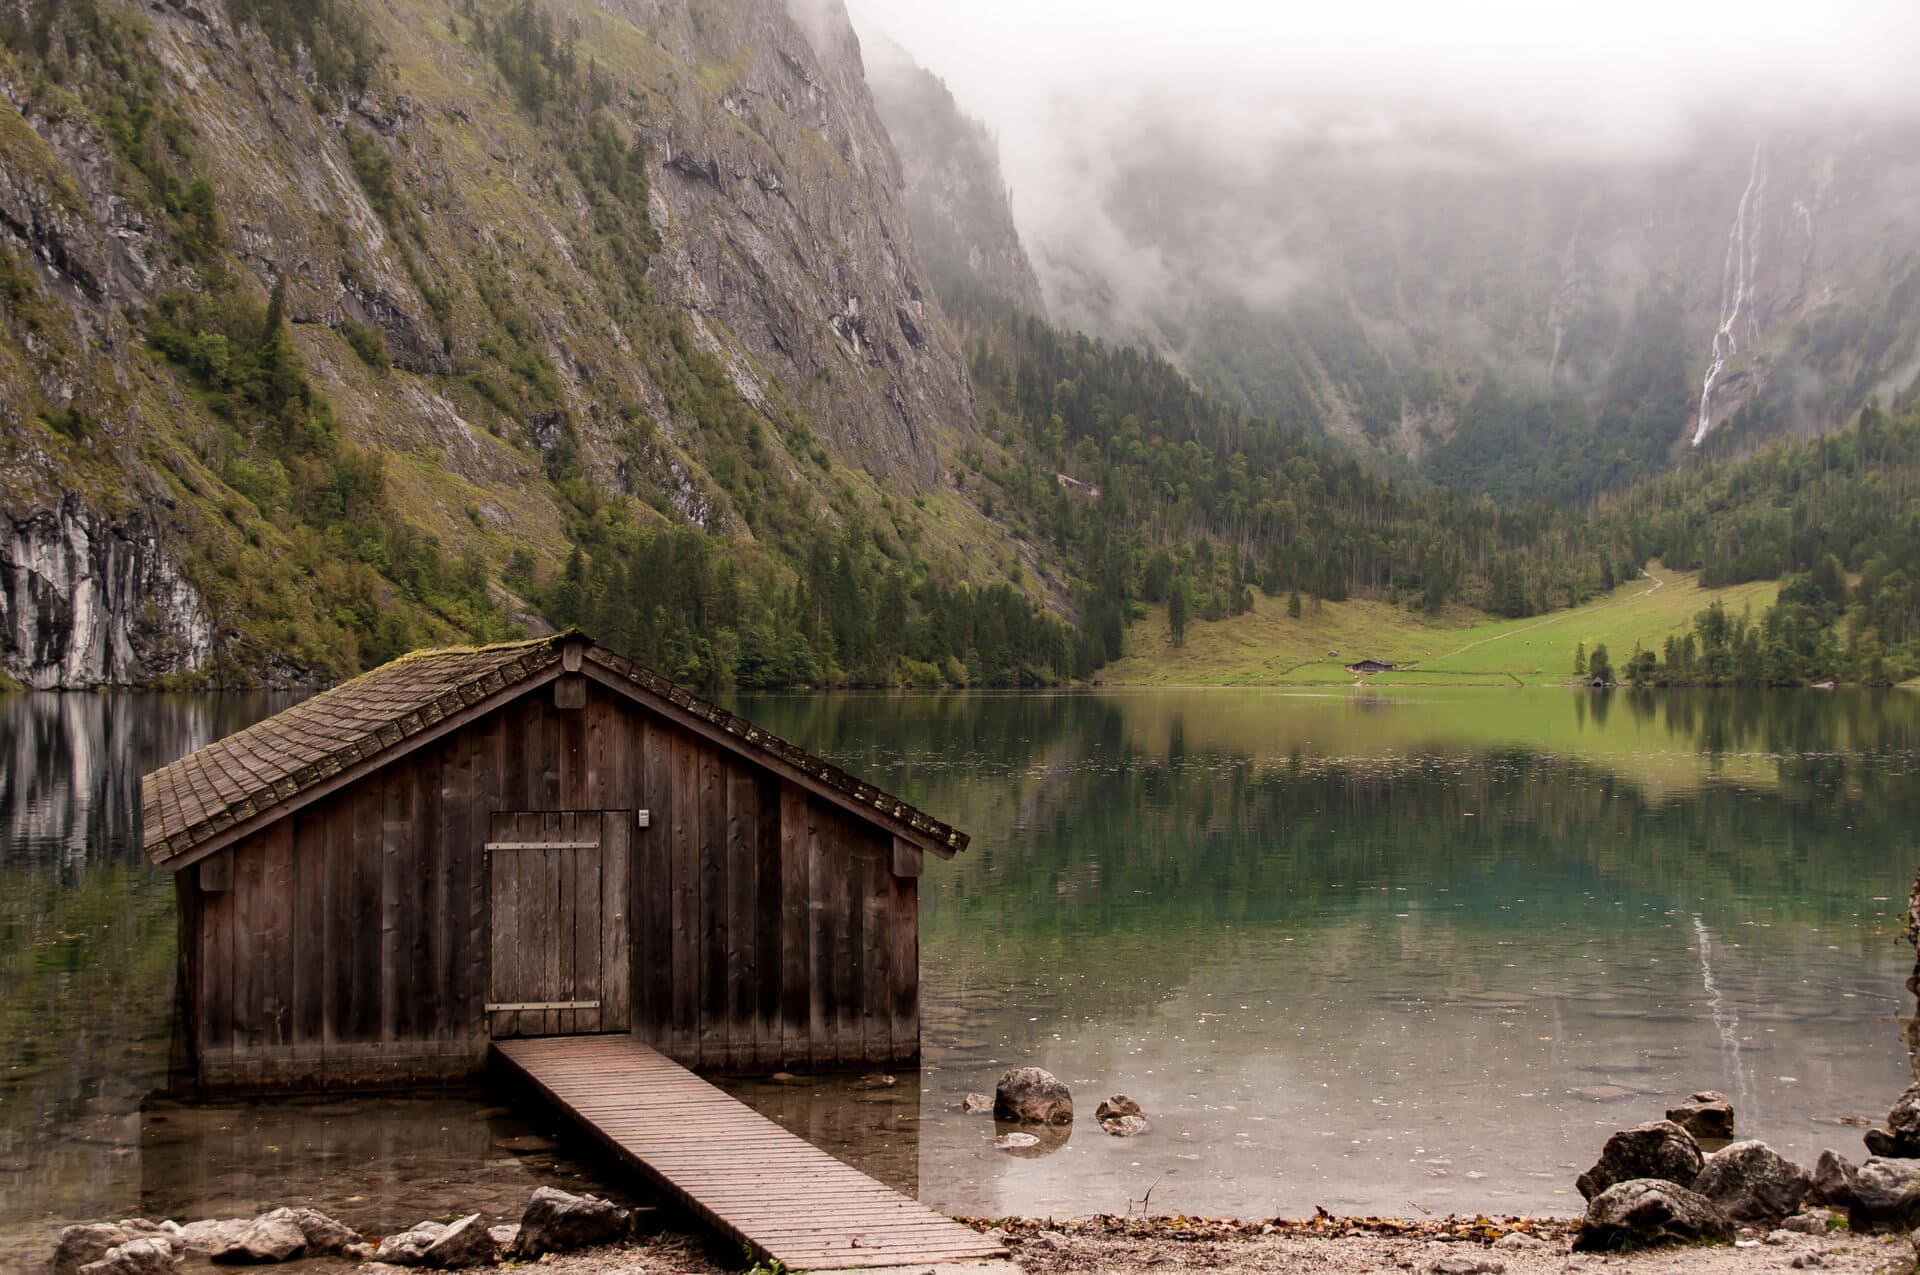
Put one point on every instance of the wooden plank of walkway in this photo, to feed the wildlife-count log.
(780, 1196)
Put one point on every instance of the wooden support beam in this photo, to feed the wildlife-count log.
(908, 859)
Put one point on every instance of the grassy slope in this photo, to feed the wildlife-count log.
(1457, 648)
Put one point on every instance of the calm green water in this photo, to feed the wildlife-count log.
(1374, 953)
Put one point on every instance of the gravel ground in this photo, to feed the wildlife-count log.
(1316, 1246)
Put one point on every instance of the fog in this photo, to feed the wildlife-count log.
(1589, 79)
(1086, 95)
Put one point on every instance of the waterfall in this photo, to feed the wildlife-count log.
(1737, 278)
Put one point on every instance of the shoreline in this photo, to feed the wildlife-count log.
(1149, 1245)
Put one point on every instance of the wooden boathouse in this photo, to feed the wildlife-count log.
(532, 839)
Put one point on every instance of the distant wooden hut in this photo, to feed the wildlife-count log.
(532, 838)
(1367, 667)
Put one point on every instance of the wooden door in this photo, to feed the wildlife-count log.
(556, 891)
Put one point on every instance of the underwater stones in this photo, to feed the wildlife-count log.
(1121, 1116)
(1647, 1212)
(1707, 1115)
(1751, 1182)
(1659, 1149)
(977, 1104)
(1032, 1095)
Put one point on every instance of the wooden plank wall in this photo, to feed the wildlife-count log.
(766, 928)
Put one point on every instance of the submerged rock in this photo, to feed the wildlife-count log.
(1645, 1212)
(1707, 1115)
(1032, 1095)
(1660, 1149)
(1118, 1105)
(977, 1104)
(1125, 1126)
(1751, 1182)
(557, 1222)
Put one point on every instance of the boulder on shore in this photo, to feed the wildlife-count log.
(557, 1222)
(326, 1236)
(142, 1255)
(1706, 1115)
(83, 1243)
(271, 1237)
(1660, 1149)
(1032, 1095)
(464, 1243)
(1832, 1182)
(1646, 1212)
(1751, 1182)
(409, 1247)
(1886, 1195)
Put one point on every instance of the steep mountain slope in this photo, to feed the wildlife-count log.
(1759, 279)
(332, 326)
(957, 200)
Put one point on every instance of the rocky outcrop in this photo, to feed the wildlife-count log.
(1649, 1212)
(1032, 1095)
(1660, 1149)
(86, 601)
(957, 199)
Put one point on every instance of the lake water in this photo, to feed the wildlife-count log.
(1382, 954)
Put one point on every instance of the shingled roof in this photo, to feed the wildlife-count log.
(258, 774)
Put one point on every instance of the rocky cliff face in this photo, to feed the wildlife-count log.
(1372, 295)
(957, 198)
(535, 259)
(85, 601)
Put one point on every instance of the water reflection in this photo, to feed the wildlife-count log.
(1394, 952)
(1376, 953)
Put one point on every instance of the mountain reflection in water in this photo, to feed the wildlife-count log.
(1376, 953)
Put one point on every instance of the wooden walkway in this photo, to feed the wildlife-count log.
(778, 1195)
